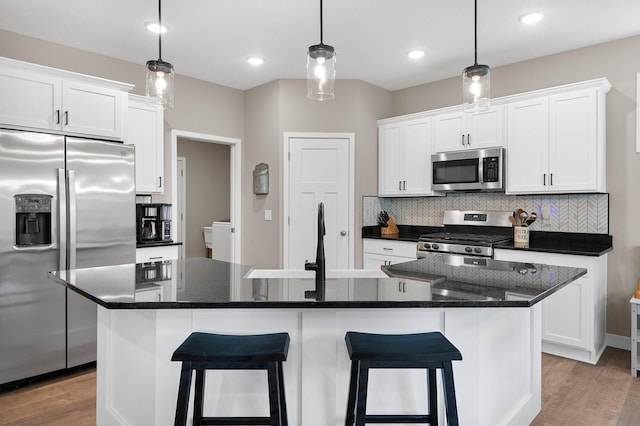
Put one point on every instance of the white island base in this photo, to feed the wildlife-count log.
(497, 382)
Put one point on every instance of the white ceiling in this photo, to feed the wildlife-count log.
(211, 39)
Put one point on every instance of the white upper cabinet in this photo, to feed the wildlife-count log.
(404, 157)
(146, 132)
(556, 143)
(458, 130)
(46, 99)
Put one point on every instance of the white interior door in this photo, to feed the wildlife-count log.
(320, 170)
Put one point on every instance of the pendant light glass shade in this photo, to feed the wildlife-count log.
(321, 72)
(476, 88)
(160, 75)
(476, 81)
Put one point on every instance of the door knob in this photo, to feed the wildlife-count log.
(343, 233)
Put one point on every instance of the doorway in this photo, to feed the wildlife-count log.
(320, 168)
(235, 156)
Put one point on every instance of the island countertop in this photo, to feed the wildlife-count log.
(436, 281)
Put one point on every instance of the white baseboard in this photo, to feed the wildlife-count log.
(619, 342)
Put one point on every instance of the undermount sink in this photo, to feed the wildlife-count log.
(301, 273)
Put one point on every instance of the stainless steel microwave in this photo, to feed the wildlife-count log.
(469, 170)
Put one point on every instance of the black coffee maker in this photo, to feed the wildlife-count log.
(153, 223)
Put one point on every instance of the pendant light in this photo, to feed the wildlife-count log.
(321, 69)
(160, 74)
(476, 82)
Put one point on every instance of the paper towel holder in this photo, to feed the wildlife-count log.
(261, 179)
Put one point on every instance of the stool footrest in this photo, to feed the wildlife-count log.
(398, 418)
(265, 421)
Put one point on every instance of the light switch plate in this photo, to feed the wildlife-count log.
(267, 215)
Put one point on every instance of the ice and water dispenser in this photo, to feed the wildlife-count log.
(33, 219)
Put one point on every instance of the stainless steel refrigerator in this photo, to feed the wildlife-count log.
(65, 203)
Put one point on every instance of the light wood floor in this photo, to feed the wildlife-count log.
(573, 393)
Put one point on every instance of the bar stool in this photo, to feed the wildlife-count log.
(206, 351)
(430, 351)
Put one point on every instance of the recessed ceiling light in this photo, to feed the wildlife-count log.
(531, 17)
(415, 54)
(155, 28)
(255, 60)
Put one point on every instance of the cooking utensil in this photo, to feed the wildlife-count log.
(532, 218)
(513, 221)
(516, 218)
(523, 218)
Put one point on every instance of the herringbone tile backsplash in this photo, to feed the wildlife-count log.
(566, 213)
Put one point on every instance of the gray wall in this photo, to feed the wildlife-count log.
(282, 106)
(208, 189)
(618, 61)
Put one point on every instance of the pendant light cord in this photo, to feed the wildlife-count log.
(160, 29)
(321, 22)
(475, 32)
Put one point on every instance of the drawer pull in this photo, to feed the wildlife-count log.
(155, 257)
(387, 248)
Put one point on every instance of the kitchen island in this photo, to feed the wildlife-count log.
(488, 309)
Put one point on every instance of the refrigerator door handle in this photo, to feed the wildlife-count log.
(62, 220)
(71, 178)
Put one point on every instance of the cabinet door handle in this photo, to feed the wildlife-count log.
(399, 185)
(404, 287)
(544, 179)
(57, 116)
(468, 139)
(463, 140)
(160, 179)
(551, 179)
(66, 118)
(404, 185)
(399, 286)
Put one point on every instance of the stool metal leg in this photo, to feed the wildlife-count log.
(182, 406)
(433, 396)
(274, 394)
(197, 400)
(283, 400)
(361, 404)
(449, 394)
(351, 400)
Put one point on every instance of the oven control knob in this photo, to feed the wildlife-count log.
(426, 246)
(477, 250)
(435, 246)
(468, 249)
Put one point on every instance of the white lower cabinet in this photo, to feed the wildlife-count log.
(573, 318)
(377, 253)
(157, 253)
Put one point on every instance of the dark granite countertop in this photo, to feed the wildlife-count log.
(157, 244)
(436, 281)
(407, 232)
(581, 244)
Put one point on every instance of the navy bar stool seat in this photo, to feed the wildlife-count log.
(206, 351)
(430, 351)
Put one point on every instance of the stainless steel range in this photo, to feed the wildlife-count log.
(472, 233)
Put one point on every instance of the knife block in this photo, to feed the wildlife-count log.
(390, 229)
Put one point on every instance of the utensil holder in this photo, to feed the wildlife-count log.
(521, 236)
(390, 229)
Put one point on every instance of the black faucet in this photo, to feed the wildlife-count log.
(319, 264)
